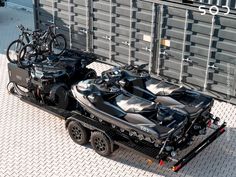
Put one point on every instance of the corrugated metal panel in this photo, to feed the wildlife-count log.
(71, 18)
(176, 40)
(230, 3)
(201, 50)
(125, 30)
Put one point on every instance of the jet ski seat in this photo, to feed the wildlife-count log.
(134, 104)
(159, 87)
(168, 101)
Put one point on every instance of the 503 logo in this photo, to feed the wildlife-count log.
(213, 10)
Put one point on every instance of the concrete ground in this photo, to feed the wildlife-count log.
(25, 3)
(35, 143)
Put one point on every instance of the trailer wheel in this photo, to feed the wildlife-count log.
(90, 74)
(101, 144)
(78, 133)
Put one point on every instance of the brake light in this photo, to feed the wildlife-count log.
(176, 168)
(161, 162)
(209, 123)
(222, 130)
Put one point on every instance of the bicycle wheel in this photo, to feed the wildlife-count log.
(58, 44)
(20, 91)
(27, 55)
(13, 50)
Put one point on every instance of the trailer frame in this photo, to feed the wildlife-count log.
(117, 139)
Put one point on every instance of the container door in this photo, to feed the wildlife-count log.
(173, 43)
(45, 13)
(124, 30)
(145, 35)
(80, 21)
(62, 18)
(224, 75)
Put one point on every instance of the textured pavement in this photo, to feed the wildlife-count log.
(35, 143)
(25, 3)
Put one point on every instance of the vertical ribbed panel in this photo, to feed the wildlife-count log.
(176, 40)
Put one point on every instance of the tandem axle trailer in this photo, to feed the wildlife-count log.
(118, 139)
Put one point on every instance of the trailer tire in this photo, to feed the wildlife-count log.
(101, 144)
(79, 134)
(90, 74)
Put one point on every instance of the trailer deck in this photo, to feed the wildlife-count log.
(116, 137)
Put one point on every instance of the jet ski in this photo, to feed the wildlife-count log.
(137, 81)
(138, 118)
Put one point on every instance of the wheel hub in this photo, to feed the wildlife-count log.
(100, 145)
(76, 132)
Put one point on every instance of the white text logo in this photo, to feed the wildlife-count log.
(213, 10)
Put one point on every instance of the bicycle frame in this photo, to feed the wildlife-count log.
(24, 36)
(45, 39)
(49, 34)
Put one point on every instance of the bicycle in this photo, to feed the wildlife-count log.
(15, 47)
(43, 43)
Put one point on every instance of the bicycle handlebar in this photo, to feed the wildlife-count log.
(21, 27)
(27, 29)
(51, 25)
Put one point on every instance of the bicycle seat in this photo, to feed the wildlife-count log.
(51, 26)
(52, 58)
(38, 30)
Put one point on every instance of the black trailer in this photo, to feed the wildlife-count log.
(44, 92)
(102, 136)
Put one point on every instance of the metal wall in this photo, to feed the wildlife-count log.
(177, 41)
(230, 3)
(199, 50)
(123, 30)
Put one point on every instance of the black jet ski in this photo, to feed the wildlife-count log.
(136, 80)
(137, 117)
